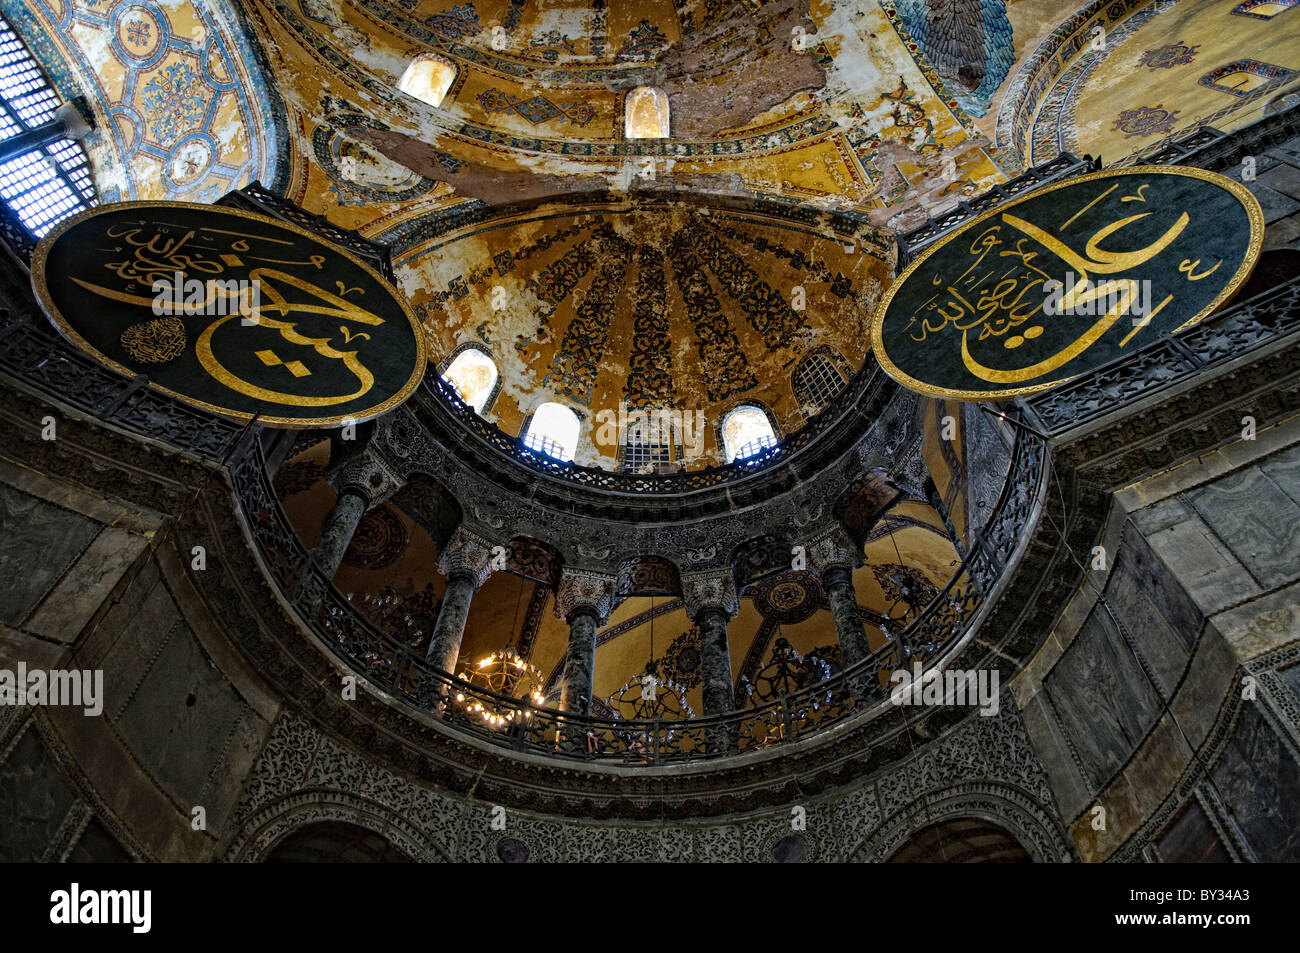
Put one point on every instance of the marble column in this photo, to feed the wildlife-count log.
(711, 600)
(835, 556)
(340, 525)
(584, 600)
(466, 561)
(363, 482)
(715, 661)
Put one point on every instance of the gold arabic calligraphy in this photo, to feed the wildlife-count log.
(156, 255)
(1004, 287)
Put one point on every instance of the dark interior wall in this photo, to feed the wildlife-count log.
(98, 587)
(1144, 679)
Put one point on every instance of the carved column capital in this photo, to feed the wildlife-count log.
(710, 590)
(368, 476)
(833, 548)
(580, 588)
(467, 553)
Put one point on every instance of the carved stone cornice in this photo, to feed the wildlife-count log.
(832, 549)
(580, 589)
(710, 590)
(467, 554)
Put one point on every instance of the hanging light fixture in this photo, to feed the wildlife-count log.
(504, 672)
(649, 695)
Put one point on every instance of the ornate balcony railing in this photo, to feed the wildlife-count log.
(864, 390)
(1260, 322)
(398, 668)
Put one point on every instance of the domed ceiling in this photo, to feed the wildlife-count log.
(1164, 70)
(648, 306)
(832, 104)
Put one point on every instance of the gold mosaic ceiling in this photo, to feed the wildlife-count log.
(652, 307)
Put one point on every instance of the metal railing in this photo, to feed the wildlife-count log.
(861, 391)
(399, 669)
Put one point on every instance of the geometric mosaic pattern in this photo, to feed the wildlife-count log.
(182, 111)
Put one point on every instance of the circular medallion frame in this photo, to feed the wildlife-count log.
(398, 393)
(1249, 203)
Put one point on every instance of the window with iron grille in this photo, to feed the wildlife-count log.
(47, 183)
(754, 447)
(746, 432)
(816, 381)
(639, 455)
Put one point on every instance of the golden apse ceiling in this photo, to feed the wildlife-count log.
(638, 306)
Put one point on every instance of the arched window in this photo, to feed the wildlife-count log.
(474, 376)
(746, 431)
(44, 177)
(427, 79)
(816, 380)
(646, 114)
(553, 431)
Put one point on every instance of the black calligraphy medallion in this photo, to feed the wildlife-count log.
(1070, 277)
(232, 312)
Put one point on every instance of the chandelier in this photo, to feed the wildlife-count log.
(504, 672)
(785, 675)
(387, 612)
(648, 696)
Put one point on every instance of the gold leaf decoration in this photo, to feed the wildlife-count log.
(155, 342)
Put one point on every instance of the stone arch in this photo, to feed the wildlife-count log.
(647, 575)
(961, 840)
(260, 833)
(534, 559)
(335, 842)
(431, 505)
(864, 501)
(1009, 807)
(761, 556)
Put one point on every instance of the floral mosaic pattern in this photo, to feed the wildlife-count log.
(1167, 57)
(1146, 121)
(174, 99)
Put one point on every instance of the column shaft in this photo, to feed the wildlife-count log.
(715, 661)
(444, 644)
(340, 525)
(837, 581)
(579, 662)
